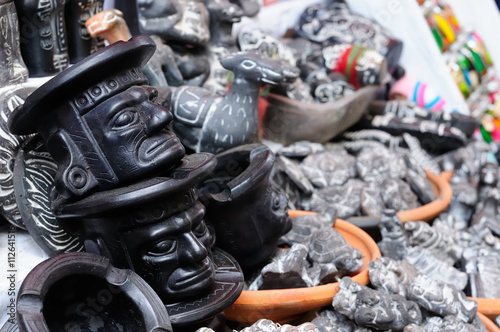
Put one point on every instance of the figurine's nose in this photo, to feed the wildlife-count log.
(191, 249)
(155, 118)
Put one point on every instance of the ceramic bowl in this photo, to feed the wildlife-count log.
(284, 305)
(488, 307)
(488, 323)
(287, 120)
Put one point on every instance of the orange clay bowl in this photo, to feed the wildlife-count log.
(488, 323)
(488, 307)
(284, 305)
(431, 210)
(427, 212)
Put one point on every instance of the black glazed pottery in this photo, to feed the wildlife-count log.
(84, 291)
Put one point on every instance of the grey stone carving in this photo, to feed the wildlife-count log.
(394, 241)
(301, 149)
(442, 246)
(333, 321)
(397, 195)
(441, 298)
(482, 265)
(390, 276)
(328, 246)
(371, 200)
(329, 168)
(304, 227)
(371, 308)
(287, 270)
(429, 265)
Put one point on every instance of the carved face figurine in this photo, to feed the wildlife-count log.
(165, 241)
(122, 135)
(248, 213)
(131, 131)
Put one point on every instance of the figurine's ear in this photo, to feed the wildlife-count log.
(73, 177)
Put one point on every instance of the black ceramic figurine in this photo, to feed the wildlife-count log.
(123, 184)
(43, 38)
(210, 123)
(80, 43)
(130, 144)
(248, 213)
(10, 98)
(12, 67)
(34, 175)
(223, 14)
(95, 295)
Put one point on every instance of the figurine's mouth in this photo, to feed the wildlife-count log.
(158, 147)
(192, 278)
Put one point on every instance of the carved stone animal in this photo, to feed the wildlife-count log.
(211, 123)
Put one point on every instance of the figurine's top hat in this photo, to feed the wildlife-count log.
(99, 76)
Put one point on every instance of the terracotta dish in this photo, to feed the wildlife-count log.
(284, 305)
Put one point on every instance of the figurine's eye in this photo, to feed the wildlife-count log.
(276, 202)
(200, 230)
(124, 119)
(163, 247)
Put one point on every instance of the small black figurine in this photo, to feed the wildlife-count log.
(210, 123)
(43, 41)
(12, 67)
(248, 213)
(80, 43)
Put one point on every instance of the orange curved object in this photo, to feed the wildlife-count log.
(488, 323)
(447, 175)
(109, 25)
(430, 210)
(284, 305)
(487, 307)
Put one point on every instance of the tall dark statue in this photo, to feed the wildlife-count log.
(12, 67)
(43, 38)
(80, 43)
(249, 214)
(123, 183)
